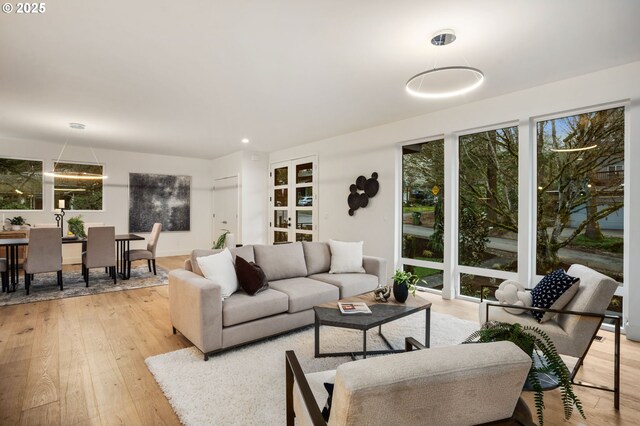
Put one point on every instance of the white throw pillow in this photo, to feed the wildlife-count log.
(513, 293)
(220, 269)
(346, 257)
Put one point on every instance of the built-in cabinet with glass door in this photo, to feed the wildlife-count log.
(293, 200)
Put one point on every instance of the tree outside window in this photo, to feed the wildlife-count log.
(20, 184)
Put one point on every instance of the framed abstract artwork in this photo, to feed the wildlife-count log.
(159, 198)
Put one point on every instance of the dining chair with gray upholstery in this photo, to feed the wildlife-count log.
(149, 254)
(44, 254)
(100, 253)
(4, 271)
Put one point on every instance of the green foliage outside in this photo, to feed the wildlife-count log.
(609, 244)
(79, 194)
(20, 184)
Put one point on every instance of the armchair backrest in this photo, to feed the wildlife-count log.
(153, 238)
(594, 295)
(442, 386)
(44, 253)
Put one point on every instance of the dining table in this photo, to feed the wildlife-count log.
(11, 245)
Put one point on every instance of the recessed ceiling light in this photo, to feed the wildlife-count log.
(245, 140)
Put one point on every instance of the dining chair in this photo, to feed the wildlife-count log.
(100, 252)
(4, 271)
(44, 254)
(149, 254)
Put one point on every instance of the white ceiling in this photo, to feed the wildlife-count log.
(194, 77)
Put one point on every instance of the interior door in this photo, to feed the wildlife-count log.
(225, 206)
(293, 201)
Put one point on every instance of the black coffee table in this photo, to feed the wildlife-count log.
(381, 313)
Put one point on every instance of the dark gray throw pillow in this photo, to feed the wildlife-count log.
(250, 276)
(549, 289)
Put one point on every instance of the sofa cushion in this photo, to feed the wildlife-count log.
(246, 252)
(281, 261)
(349, 284)
(240, 307)
(220, 269)
(317, 257)
(305, 293)
(250, 276)
(195, 254)
(346, 257)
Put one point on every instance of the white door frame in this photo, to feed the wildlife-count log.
(238, 230)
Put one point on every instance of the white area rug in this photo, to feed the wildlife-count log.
(246, 386)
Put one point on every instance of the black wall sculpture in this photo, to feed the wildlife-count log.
(369, 189)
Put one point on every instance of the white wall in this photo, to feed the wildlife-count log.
(118, 165)
(252, 169)
(341, 159)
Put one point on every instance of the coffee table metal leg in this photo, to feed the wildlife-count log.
(364, 344)
(427, 328)
(317, 338)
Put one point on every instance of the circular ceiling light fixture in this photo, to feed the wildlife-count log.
(245, 140)
(71, 174)
(444, 82)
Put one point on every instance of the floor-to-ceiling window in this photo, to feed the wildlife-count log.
(487, 208)
(423, 195)
(580, 193)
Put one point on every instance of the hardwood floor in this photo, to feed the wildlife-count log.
(81, 361)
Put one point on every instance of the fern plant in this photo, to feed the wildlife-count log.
(537, 344)
(76, 226)
(219, 244)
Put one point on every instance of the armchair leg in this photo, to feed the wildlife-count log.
(114, 275)
(60, 280)
(86, 276)
(27, 282)
(129, 269)
(153, 261)
(149, 264)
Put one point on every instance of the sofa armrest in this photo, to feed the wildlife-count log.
(195, 305)
(376, 266)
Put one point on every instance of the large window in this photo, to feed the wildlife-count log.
(78, 194)
(423, 211)
(20, 184)
(488, 205)
(581, 193)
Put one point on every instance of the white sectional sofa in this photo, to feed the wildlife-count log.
(299, 278)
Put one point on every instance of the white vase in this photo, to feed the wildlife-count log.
(230, 241)
(16, 227)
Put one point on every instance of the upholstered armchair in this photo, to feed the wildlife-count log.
(101, 242)
(44, 254)
(574, 328)
(438, 386)
(149, 254)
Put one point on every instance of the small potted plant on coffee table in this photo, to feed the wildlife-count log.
(403, 283)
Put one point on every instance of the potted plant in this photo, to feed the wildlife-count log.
(219, 244)
(17, 222)
(76, 226)
(544, 360)
(403, 283)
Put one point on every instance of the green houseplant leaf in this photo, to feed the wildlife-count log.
(538, 345)
(219, 244)
(76, 226)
